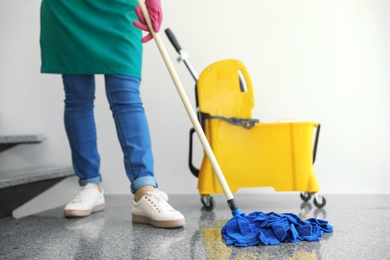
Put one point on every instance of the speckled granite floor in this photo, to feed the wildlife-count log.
(361, 224)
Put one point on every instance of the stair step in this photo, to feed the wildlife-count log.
(33, 174)
(8, 141)
(19, 186)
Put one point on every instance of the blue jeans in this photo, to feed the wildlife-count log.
(130, 120)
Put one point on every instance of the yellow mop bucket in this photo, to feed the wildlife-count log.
(251, 154)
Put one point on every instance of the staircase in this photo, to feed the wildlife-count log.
(21, 185)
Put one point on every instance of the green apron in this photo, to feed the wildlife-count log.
(90, 37)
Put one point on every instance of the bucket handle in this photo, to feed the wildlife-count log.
(316, 142)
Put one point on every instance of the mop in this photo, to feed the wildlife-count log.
(256, 227)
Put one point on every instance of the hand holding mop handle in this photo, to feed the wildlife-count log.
(191, 114)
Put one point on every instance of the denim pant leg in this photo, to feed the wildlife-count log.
(80, 127)
(132, 128)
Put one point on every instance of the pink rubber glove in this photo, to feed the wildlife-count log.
(155, 13)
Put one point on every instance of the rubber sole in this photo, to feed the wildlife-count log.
(83, 213)
(161, 224)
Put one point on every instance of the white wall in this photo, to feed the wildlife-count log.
(325, 61)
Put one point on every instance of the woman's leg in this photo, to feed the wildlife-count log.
(132, 128)
(150, 205)
(80, 126)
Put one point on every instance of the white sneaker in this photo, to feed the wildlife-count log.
(89, 199)
(153, 209)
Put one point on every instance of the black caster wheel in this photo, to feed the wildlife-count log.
(321, 203)
(207, 202)
(305, 196)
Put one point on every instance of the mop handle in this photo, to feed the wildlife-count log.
(188, 106)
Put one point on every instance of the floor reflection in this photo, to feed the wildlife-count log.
(306, 209)
(155, 243)
(88, 230)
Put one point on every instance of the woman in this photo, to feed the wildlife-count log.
(78, 40)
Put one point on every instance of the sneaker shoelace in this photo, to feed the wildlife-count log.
(162, 194)
(158, 201)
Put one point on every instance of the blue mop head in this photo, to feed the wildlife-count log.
(272, 229)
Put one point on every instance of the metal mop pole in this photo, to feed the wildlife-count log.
(183, 56)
